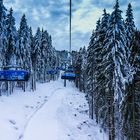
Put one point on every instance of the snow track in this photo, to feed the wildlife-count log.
(47, 113)
(34, 113)
(63, 117)
(52, 112)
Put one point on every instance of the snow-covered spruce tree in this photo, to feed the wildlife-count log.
(32, 81)
(62, 58)
(115, 64)
(130, 105)
(100, 98)
(83, 75)
(10, 48)
(51, 57)
(130, 26)
(51, 53)
(90, 75)
(24, 48)
(55, 58)
(45, 56)
(74, 57)
(36, 53)
(31, 43)
(10, 55)
(129, 127)
(78, 65)
(54, 62)
(3, 38)
(94, 72)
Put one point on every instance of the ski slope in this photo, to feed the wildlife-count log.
(53, 112)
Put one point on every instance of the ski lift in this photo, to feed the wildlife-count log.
(8, 74)
(69, 74)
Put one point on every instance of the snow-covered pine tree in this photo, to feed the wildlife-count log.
(31, 44)
(93, 67)
(10, 55)
(130, 26)
(115, 67)
(74, 57)
(51, 53)
(23, 50)
(51, 57)
(3, 37)
(90, 75)
(54, 61)
(83, 79)
(36, 53)
(78, 64)
(100, 99)
(24, 47)
(10, 48)
(32, 81)
(130, 105)
(44, 59)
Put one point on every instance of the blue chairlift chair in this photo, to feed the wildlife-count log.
(69, 74)
(8, 74)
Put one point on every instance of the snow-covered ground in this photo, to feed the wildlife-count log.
(53, 112)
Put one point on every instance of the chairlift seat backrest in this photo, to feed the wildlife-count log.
(14, 75)
(68, 76)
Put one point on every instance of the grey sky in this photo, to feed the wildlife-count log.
(53, 15)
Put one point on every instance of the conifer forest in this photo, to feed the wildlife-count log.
(108, 69)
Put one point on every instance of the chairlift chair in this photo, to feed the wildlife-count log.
(9, 74)
(69, 74)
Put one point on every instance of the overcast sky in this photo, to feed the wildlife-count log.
(53, 15)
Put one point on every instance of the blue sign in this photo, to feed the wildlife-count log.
(14, 75)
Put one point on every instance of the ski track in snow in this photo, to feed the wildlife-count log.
(50, 119)
(53, 112)
(33, 114)
(60, 119)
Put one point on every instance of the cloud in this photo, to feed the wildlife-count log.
(53, 15)
(85, 21)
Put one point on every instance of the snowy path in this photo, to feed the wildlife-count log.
(41, 107)
(60, 119)
(45, 123)
(51, 113)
